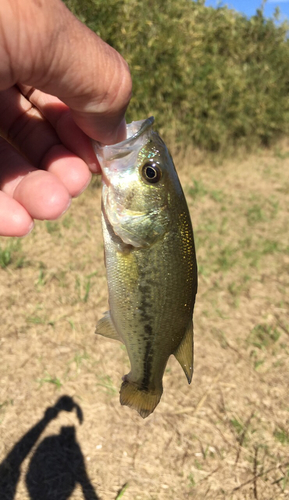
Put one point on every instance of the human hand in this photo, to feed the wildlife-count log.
(59, 85)
(64, 403)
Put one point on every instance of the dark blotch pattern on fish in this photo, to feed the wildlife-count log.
(148, 357)
(144, 308)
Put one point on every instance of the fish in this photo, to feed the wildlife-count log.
(150, 262)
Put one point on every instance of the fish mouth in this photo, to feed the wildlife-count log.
(144, 125)
(131, 145)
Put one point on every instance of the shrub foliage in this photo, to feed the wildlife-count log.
(213, 76)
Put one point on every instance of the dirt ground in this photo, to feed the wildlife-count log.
(63, 433)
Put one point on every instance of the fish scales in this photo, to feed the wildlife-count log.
(150, 262)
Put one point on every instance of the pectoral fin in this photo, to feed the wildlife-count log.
(185, 352)
(105, 327)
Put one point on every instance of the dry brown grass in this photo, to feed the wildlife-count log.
(224, 437)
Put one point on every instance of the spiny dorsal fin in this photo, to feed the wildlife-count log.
(185, 352)
(105, 327)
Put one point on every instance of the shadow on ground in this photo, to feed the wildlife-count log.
(56, 466)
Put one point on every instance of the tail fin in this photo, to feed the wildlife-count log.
(140, 400)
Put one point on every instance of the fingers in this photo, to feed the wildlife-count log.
(59, 116)
(27, 130)
(15, 220)
(71, 170)
(37, 193)
(64, 58)
(29, 193)
(24, 127)
(42, 195)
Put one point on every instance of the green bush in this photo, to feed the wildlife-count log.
(213, 76)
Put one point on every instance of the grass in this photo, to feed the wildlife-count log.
(197, 190)
(255, 214)
(5, 257)
(263, 336)
(79, 358)
(282, 436)
(264, 339)
(192, 481)
(214, 439)
(52, 227)
(227, 258)
(83, 286)
(106, 383)
(122, 491)
(11, 255)
(48, 379)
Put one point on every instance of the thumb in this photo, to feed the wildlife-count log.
(64, 58)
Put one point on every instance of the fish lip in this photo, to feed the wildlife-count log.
(110, 152)
(104, 177)
(106, 154)
(146, 124)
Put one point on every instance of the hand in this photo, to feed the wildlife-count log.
(59, 85)
(64, 403)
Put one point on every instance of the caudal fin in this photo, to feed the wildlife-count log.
(140, 400)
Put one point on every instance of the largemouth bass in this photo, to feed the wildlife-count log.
(150, 262)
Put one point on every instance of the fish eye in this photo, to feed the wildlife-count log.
(151, 173)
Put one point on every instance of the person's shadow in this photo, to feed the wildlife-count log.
(56, 466)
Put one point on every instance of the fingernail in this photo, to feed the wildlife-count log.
(30, 227)
(65, 210)
(84, 188)
(94, 167)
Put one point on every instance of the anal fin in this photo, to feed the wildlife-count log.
(106, 328)
(185, 352)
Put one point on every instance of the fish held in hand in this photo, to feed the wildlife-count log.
(150, 262)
